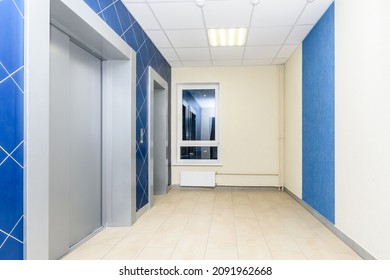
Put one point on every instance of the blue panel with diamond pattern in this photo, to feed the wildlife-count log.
(11, 128)
(116, 15)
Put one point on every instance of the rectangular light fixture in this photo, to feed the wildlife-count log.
(229, 37)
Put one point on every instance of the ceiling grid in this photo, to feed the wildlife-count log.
(179, 29)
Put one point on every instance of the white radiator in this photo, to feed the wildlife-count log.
(197, 179)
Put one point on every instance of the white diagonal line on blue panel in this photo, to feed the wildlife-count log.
(124, 32)
(9, 155)
(18, 9)
(10, 75)
(143, 195)
(119, 20)
(140, 109)
(107, 6)
(9, 235)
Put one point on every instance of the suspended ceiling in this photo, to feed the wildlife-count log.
(178, 28)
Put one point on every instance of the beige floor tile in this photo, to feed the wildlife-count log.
(207, 197)
(349, 256)
(163, 208)
(224, 223)
(316, 249)
(190, 248)
(269, 219)
(109, 236)
(220, 240)
(125, 251)
(221, 254)
(222, 229)
(287, 255)
(243, 210)
(297, 228)
(197, 225)
(253, 248)
(332, 240)
(241, 200)
(149, 223)
(167, 227)
(204, 208)
(88, 252)
(247, 226)
(164, 240)
(179, 217)
(154, 253)
(278, 239)
(224, 203)
(136, 238)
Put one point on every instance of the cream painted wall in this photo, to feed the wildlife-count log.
(249, 120)
(362, 123)
(293, 123)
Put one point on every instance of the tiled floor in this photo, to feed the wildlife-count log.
(219, 224)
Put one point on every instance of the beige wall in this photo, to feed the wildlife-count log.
(362, 123)
(249, 123)
(293, 123)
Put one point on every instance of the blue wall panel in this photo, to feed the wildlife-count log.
(11, 128)
(115, 14)
(318, 93)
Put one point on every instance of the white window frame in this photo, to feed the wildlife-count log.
(191, 143)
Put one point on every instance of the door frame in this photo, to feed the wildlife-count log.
(79, 21)
(154, 77)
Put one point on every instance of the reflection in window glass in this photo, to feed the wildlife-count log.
(205, 152)
(198, 115)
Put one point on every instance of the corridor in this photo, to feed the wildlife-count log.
(221, 223)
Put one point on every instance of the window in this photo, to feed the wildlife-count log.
(198, 124)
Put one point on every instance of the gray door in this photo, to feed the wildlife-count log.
(75, 197)
(85, 142)
(160, 141)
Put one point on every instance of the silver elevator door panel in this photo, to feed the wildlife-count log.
(160, 143)
(85, 144)
(75, 196)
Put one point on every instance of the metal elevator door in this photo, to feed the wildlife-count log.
(75, 144)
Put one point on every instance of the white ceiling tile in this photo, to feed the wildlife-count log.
(227, 62)
(227, 14)
(314, 11)
(268, 35)
(175, 63)
(177, 28)
(159, 38)
(254, 62)
(298, 34)
(143, 15)
(286, 51)
(169, 54)
(188, 38)
(197, 63)
(193, 53)
(280, 61)
(277, 12)
(178, 15)
(261, 52)
(227, 53)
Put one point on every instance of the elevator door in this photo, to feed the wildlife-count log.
(75, 144)
(85, 144)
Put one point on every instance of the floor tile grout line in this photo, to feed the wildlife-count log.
(275, 203)
(208, 235)
(153, 235)
(116, 244)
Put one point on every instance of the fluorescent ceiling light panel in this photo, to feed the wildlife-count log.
(230, 37)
